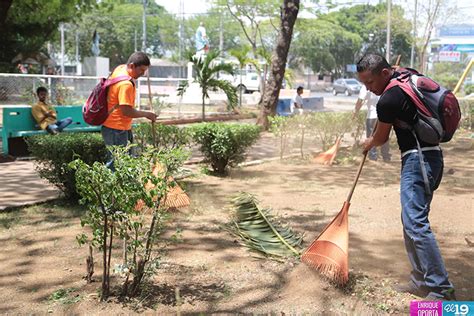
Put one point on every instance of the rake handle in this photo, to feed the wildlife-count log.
(349, 196)
(150, 101)
(364, 157)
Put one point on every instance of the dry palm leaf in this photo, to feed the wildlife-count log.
(260, 231)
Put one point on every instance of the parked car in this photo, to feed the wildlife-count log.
(346, 86)
(250, 82)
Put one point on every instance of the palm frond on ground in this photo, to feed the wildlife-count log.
(262, 232)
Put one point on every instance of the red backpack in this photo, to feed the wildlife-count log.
(437, 108)
(95, 110)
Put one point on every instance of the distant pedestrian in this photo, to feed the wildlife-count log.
(46, 116)
(117, 129)
(370, 99)
(296, 105)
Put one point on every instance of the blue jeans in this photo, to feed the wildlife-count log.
(428, 272)
(59, 125)
(384, 149)
(115, 137)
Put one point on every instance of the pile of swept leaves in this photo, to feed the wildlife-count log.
(261, 232)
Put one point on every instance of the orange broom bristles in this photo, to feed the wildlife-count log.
(329, 252)
(327, 157)
(175, 198)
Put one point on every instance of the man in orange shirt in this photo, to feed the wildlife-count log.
(117, 129)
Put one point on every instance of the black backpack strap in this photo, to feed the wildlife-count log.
(422, 164)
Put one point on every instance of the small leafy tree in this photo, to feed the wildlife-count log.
(358, 128)
(280, 127)
(111, 199)
(206, 71)
(224, 145)
(328, 126)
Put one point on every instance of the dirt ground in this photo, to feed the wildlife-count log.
(41, 265)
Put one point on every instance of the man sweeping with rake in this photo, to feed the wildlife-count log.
(429, 278)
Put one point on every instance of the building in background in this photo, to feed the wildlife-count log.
(453, 43)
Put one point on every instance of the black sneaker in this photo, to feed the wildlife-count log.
(411, 289)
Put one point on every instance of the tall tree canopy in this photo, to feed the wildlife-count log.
(119, 25)
(331, 41)
(25, 26)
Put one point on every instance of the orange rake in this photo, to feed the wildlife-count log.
(329, 252)
(175, 197)
(327, 157)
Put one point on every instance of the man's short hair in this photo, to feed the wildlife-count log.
(41, 89)
(139, 59)
(299, 88)
(373, 62)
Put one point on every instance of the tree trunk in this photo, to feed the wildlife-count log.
(105, 277)
(4, 7)
(203, 107)
(289, 13)
(240, 90)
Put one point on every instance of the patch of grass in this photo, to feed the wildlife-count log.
(205, 170)
(65, 296)
(8, 220)
(177, 237)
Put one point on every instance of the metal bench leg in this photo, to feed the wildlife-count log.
(5, 144)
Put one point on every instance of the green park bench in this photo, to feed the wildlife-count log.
(18, 123)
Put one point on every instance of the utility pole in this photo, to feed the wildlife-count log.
(77, 53)
(135, 41)
(413, 41)
(389, 22)
(180, 43)
(144, 27)
(221, 33)
(61, 27)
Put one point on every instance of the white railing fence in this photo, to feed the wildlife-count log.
(16, 89)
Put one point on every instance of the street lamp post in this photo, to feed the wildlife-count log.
(412, 56)
(389, 20)
(144, 26)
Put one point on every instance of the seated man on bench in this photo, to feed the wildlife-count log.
(46, 115)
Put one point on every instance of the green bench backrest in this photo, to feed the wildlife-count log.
(20, 118)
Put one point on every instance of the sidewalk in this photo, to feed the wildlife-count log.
(21, 185)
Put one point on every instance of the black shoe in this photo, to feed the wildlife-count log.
(410, 288)
(445, 296)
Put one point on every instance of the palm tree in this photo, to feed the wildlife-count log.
(206, 70)
(242, 57)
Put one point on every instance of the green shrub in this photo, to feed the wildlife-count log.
(224, 144)
(468, 89)
(167, 136)
(54, 153)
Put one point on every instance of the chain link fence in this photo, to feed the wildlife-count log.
(20, 89)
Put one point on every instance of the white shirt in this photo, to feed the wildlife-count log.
(298, 100)
(371, 100)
